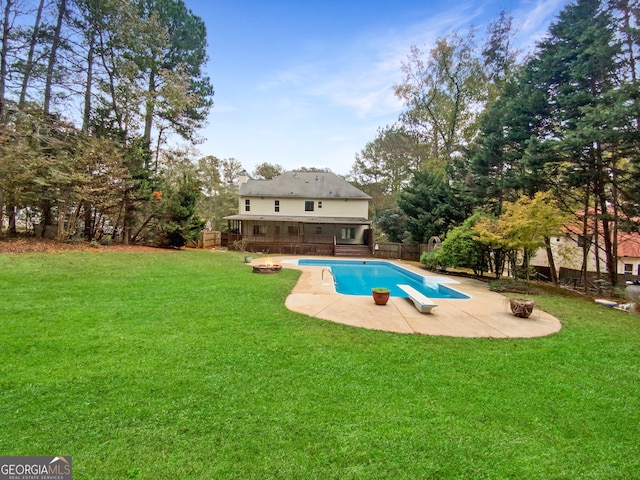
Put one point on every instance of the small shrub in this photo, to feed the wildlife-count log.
(510, 285)
(430, 259)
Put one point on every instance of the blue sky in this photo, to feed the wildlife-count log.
(309, 83)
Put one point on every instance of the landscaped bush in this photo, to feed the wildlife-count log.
(430, 259)
(510, 285)
(459, 249)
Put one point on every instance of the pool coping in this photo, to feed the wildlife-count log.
(485, 315)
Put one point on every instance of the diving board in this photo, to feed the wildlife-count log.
(421, 302)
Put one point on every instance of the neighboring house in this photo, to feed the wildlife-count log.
(568, 255)
(629, 255)
(302, 212)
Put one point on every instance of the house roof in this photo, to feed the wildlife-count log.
(628, 245)
(628, 242)
(302, 185)
(300, 219)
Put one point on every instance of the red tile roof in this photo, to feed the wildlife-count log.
(628, 244)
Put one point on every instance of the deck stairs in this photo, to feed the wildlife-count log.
(352, 251)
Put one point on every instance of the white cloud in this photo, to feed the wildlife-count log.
(537, 15)
(360, 76)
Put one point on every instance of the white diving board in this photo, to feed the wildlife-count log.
(422, 303)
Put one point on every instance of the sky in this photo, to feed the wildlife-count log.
(308, 83)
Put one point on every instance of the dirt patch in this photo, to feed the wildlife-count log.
(33, 245)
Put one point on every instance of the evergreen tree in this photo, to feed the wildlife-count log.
(180, 222)
(506, 160)
(578, 68)
(431, 206)
(178, 94)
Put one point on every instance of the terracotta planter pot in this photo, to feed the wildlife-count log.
(380, 295)
(521, 307)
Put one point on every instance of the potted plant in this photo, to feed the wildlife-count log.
(380, 295)
(521, 307)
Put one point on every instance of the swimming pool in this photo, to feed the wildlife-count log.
(358, 277)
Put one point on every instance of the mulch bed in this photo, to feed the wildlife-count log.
(37, 245)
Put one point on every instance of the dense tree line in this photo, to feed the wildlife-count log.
(489, 131)
(90, 93)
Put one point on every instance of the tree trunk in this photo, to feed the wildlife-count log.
(616, 217)
(601, 197)
(88, 221)
(60, 235)
(46, 216)
(55, 43)
(29, 63)
(127, 219)
(499, 262)
(610, 261)
(525, 263)
(596, 237)
(552, 263)
(4, 54)
(11, 214)
(148, 116)
(1, 210)
(105, 56)
(587, 242)
(86, 117)
(134, 237)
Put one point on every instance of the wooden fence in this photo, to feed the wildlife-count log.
(304, 246)
(210, 240)
(399, 251)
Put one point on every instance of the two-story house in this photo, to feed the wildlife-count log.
(303, 213)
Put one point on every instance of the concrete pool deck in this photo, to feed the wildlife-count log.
(485, 315)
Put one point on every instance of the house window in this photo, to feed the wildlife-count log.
(247, 205)
(628, 268)
(292, 230)
(582, 240)
(348, 233)
(308, 205)
(276, 230)
(258, 230)
(319, 204)
(639, 270)
(276, 206)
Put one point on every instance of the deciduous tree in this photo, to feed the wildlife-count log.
(268, 171)
(443, 90)
(524, 226)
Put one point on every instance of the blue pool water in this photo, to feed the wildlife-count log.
(358, 277)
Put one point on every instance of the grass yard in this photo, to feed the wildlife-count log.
(186, 365)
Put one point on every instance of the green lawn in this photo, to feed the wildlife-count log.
(186, 365)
